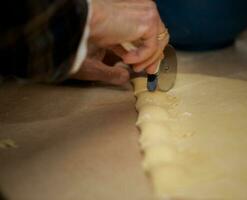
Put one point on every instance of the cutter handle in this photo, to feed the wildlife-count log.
(128, 46)
(152, 79)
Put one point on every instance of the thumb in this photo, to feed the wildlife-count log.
(95, 70)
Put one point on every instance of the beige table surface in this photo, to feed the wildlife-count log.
(80, 142)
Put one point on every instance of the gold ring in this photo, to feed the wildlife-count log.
(162, 35)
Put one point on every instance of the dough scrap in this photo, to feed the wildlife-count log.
(195, 147)
(7, 144)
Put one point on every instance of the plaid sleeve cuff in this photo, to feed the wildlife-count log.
(69, 29)
(41, 41)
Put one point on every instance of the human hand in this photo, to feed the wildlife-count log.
(115, 22)
(94, 69)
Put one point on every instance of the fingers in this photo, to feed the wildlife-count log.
(138, 20)
(148, 41)
(95, 52)
(152, 69)
(145, 51)
(119, 74)
(143, 26)
(159, 55)
(151, 63)
(118, 50)
(151, 47)
(141, 66)
(95, 70)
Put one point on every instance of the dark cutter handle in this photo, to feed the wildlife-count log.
(152, 82)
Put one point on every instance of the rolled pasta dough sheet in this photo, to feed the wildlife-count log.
(195, 139)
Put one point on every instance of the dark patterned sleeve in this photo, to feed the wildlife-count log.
(39, 39)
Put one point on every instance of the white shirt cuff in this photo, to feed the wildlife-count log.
(82, 49)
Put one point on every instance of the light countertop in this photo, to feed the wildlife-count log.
(80, 142)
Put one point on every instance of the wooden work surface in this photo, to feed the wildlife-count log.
(73, 143)
(80, 142)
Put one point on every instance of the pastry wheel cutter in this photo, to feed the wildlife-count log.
(165, 77)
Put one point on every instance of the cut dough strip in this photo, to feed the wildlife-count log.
(195, 150)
